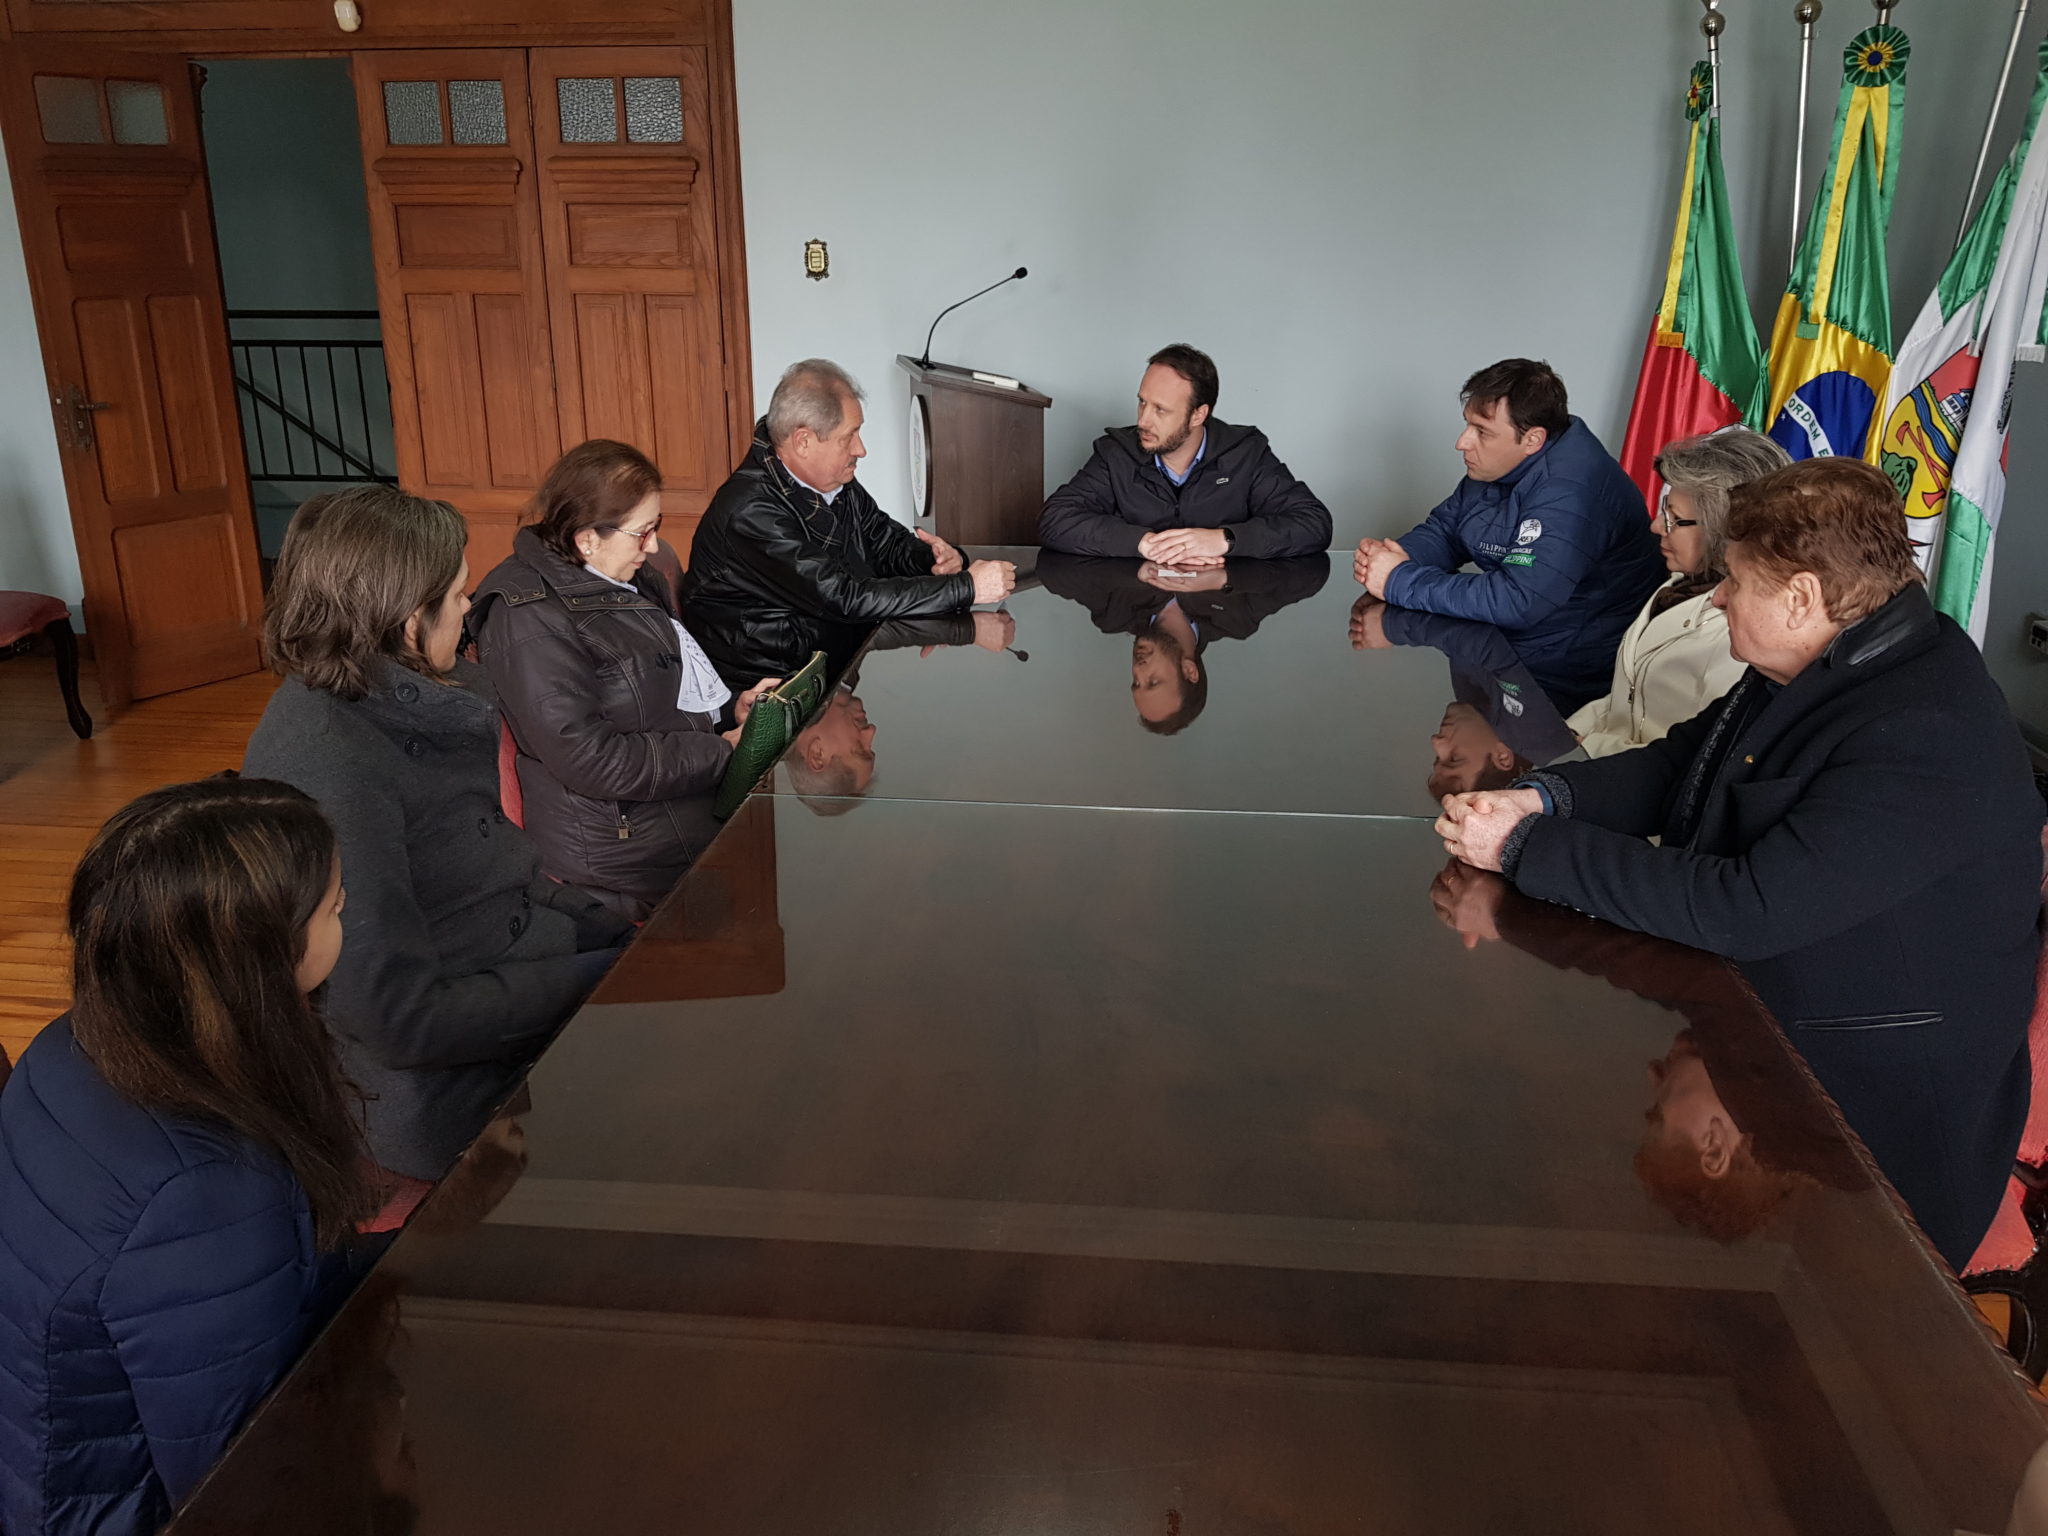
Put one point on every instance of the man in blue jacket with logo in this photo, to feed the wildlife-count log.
(1560, 536)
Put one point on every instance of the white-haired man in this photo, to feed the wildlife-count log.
(793, 545)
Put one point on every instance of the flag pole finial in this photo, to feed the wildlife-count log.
(1712, 25)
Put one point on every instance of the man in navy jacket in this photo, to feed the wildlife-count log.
(1559, 534)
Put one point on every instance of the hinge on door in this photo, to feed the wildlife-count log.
(74, 418)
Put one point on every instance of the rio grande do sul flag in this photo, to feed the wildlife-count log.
(1703, 368)
(1934, 380)
(2012, 328)
(1831, 345)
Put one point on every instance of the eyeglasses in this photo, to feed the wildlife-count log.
(1665, 520)
(637, 535)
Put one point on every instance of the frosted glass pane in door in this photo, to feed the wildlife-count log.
(590, 110)
(137, 108)
(654, 109)
(477, 109)
(412, 112)
(70, 110)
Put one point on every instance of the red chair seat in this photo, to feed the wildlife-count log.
(23, 614)
(511, 798)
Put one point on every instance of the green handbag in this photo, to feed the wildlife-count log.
(771, 726)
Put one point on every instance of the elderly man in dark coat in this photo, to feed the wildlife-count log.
(1854, 824)
(792, 541)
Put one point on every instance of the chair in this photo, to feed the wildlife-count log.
(22, 616)
(511, 797)
(2002, 1270)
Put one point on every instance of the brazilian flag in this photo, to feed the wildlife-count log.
(1831, 346)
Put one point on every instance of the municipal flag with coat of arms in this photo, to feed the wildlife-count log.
(1703, 368)
(1831, 346)
(1993, 281)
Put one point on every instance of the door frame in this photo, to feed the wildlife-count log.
(200, 29)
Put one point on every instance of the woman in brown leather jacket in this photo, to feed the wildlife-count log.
(622, 725)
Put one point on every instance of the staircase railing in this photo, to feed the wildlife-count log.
(315, 408)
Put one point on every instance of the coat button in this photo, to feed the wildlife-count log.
(483, 827)
(515, 924)
(414, 747)
(498, 816)
(406, 693)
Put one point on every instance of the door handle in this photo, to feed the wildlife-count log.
(75, 412)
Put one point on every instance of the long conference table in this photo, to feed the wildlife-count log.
(1089, 1130)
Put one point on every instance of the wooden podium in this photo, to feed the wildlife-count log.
(977, 455)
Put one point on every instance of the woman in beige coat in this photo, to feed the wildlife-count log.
(1674, 661)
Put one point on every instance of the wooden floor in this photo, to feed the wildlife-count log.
(55, 790)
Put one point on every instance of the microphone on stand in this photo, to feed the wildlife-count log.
(926, 360)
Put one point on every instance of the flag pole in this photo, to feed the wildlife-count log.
(1884, 11)
(1713, 24)
(1806, 13)
(2012, 48)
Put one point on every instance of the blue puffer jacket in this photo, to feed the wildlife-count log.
(1566, 560)
(157, 1276)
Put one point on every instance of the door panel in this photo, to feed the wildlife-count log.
(119, 239)
(177, 330)
(629, 221)
(455, 222)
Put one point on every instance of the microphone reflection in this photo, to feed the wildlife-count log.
(1173, 616)
(1734, 1129)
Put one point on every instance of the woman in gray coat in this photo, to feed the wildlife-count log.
(462, 958)
(623, 726)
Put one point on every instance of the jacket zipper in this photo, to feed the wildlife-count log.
(625, 828)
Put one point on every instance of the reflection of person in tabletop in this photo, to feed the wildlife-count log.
(1173, 615)
(832, 761)
(1499, 722)
(1733, 1130)
(831, 764)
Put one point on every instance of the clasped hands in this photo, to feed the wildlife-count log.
(1188, 548)
(994, 580)
(1374, 563)
(1475, 826)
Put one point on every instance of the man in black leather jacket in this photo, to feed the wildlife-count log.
(792, 540)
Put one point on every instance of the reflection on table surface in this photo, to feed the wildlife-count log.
(1256, 687)
(940, 1167)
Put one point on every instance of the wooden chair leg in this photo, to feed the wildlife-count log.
(65, 644)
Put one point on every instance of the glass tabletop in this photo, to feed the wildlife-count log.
(942, 1167)
(1264, 686)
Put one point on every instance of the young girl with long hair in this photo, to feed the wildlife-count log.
(181, 1158)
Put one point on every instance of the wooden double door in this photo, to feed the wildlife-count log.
(549, 254)
(556, 261)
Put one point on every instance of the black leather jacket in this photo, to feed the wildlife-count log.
(618, 781)
(772, 560)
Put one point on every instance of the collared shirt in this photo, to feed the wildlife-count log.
(1193, 464)
(701, 691)
(1193, 627)
(824, 496)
